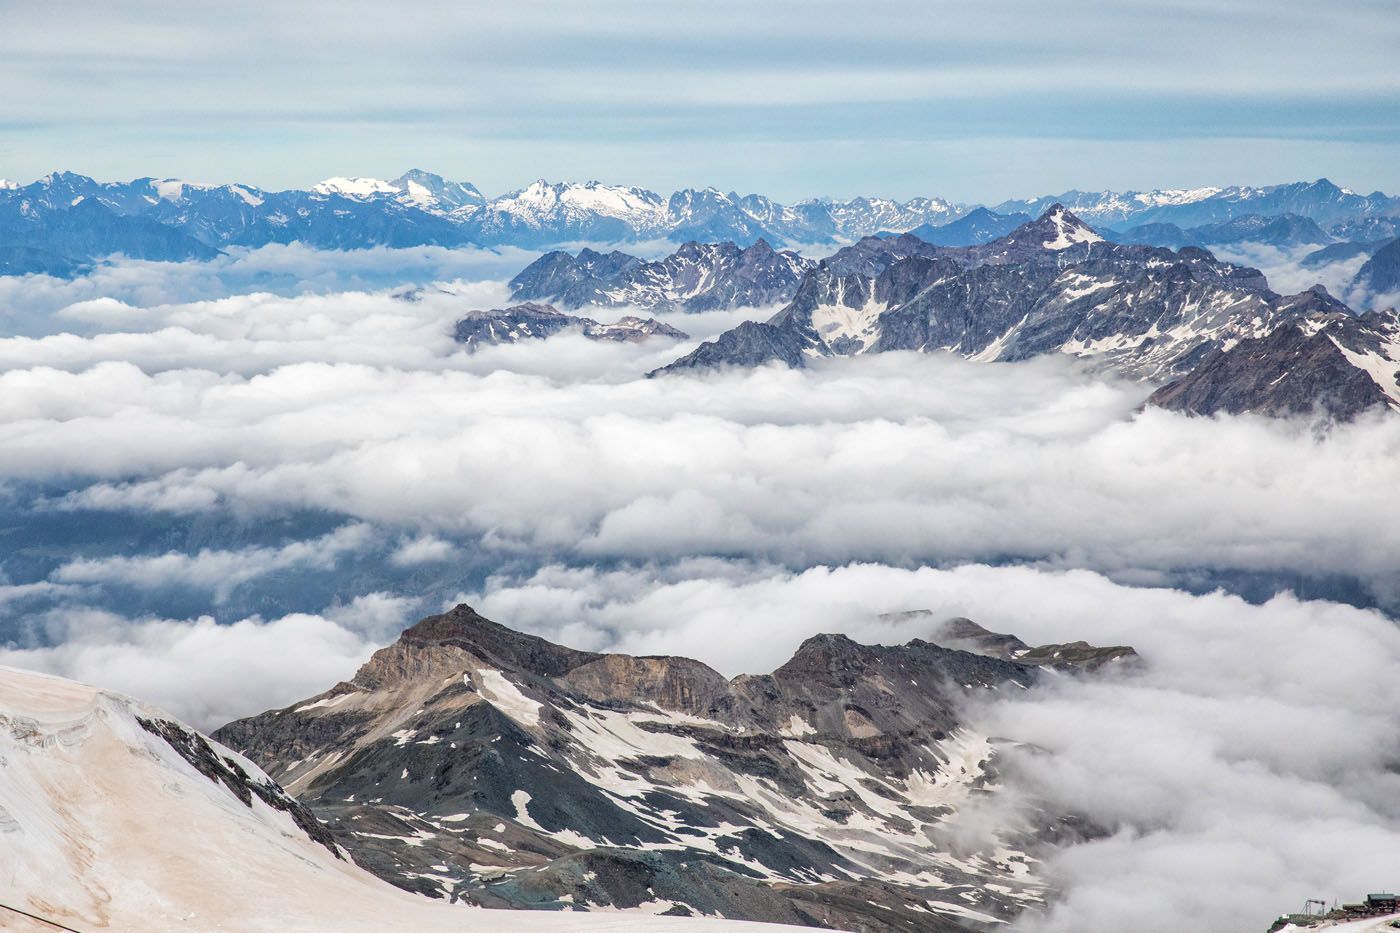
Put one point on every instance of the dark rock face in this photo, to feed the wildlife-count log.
(471, 761)
(1158, 234)
(1071, 657)
(697, 277)
(1381, 273)
(1368, 229)
(748, 345)
(1050, 285)
(532, 321)
(1297, 369)
(219, 768)
(27, 260)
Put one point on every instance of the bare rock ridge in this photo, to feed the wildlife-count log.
(473, 762)
(219, 768)
(1069, 657)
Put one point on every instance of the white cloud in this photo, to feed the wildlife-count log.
(1283, 267)
(377, 616)
(360, 404)
(200, 670)
(427, 549)
(893, 458)
(219, 571)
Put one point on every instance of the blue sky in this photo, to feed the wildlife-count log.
(973, 101)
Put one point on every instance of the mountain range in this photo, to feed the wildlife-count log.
(1269, 230)
(470, 761)
(63, 220)
(1055, 285)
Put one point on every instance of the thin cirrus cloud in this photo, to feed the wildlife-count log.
(896, 98)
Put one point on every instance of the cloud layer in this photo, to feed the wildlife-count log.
(223, 500)
(359, 404)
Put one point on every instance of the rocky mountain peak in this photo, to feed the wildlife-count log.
(463, 627)
(824, 653)
(1056, 229)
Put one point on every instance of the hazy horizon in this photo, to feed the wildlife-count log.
(793, 100)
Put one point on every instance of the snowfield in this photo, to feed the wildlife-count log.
(105, 826)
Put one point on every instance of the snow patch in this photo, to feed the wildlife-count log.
(506, 696)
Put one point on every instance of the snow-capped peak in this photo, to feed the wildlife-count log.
(595, 197)
(7, 185)
(1065, 230)
(246, 194)
(170, 188)
(427, 191)
(355, 187)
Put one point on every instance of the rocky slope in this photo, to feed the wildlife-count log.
(474, 762)
(697, 277)
(532, 321)
(1337, 365)
(1054, 286)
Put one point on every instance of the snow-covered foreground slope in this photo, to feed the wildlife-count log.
(105, 824)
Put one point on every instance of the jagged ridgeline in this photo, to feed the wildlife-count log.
(697, 277)
(63, 222)
(1215, 333)
(470, 761)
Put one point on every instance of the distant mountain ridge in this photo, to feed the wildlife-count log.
(422, 209)
(532, 321)
(697, 277)
(1055, 285)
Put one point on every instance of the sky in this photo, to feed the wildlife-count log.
(971, 101)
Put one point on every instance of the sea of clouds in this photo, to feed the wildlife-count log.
(226, 484)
